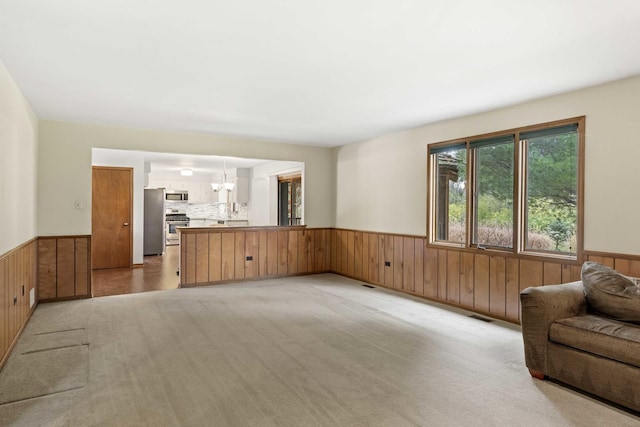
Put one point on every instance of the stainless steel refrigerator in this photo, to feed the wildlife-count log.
(154, 221)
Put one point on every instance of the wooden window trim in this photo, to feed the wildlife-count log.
(519, 213)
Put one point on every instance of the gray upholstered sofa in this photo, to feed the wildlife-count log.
(595, 349)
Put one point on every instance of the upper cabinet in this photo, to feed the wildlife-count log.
(200, 190)
(240, 193)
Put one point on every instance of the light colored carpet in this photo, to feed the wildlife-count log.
(304, 351)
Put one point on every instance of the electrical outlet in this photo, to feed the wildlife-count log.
(387, 263)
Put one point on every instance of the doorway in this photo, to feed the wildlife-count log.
(290, 200)
(111, 213)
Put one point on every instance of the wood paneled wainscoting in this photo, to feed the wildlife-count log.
(211, 255)
(487, 282)
(64, 267)
(18, 270)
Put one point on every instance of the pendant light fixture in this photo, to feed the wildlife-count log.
(224, 185)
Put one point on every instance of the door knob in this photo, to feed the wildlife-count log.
(126, 224)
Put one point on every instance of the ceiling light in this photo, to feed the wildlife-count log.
(186, 172)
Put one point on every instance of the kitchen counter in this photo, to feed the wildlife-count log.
(207, 222)
(222, 227)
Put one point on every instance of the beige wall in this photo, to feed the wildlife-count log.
(18, 162)
(382, 182)
(65, 168)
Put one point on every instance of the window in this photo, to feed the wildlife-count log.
(450, 178)
(521, 190)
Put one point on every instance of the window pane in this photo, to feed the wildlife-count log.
(552, 192)
(451, 196)
(493, 207)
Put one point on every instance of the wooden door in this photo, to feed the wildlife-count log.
(111, 214)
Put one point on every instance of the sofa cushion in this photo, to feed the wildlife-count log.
(610, 292)
(599, 335)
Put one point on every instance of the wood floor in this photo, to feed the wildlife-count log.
(157, 273)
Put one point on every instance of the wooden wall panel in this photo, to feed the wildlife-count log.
(497, 285)
(202, 258)
(333, 250)
(443, 268)
(513, 289)
(531, 273)
(374, 258)
(303, 250)
(228, 256)
(190, 259)
(357, 255)
(467, 292)
(292, 252)
(11, 301)
(320, 251)
(628, 267)
(239, 255)
(453, 277)
(215, 257)
(552, 273)
(18, 275)
(66, 273)
(283, 252)
(382, 267)
(4, 308)
(262, 253)
(343, 251)
(408, 263)
(388, 260)
(60, 267)
(82, 268)
(418, 256)
(47, 273)
(481, 282)
(252, 252)
(272, 253)
(398, 266)
(431, 273)
(365, 257)
(350, 253)
(570, 273)
(327, 249)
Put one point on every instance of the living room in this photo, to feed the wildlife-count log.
(360, 185)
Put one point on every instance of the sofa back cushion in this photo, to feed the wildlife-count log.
(610, 292)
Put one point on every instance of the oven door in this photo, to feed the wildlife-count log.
(172, 233)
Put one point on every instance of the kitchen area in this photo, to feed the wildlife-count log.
(195, 191)
(207, 191)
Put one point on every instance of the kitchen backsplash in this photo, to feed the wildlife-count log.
(216, 211)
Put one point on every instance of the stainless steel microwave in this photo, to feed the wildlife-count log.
(176, 196)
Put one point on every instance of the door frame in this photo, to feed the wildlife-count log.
(131, 170)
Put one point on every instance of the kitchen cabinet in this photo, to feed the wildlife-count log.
(199, 192)
(240, 193)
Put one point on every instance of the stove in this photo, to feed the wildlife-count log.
(175, 220)
(177, 217)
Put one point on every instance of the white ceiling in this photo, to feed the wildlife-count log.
(325, 72)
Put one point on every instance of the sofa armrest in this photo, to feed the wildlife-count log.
(541, 306)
